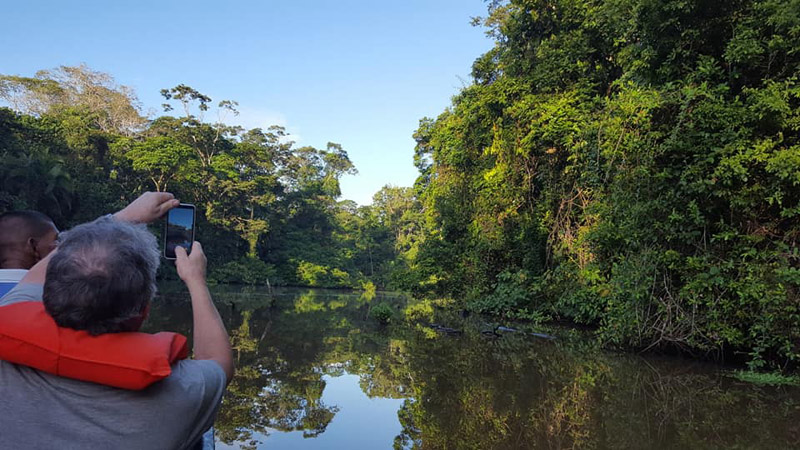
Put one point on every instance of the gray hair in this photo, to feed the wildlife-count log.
(102, 277)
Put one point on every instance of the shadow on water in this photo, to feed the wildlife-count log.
(468, 390)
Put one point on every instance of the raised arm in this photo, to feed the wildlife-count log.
(210, 338)
(148, 208)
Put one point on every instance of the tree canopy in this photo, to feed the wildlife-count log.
(627, 164)
(76, 145)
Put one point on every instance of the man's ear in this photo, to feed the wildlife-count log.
(146, 311)
(33, 243)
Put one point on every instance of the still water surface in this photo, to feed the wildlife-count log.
(315, 372)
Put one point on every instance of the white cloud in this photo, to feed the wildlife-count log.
(261, 118)
(257, 118)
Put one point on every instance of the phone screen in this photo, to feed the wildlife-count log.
(180, 229)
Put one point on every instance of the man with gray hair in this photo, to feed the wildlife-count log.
(101, 278)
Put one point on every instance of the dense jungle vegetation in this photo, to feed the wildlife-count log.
(627, 164)
(631, 165)
(76, 145)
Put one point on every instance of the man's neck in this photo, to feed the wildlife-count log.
(16, 263)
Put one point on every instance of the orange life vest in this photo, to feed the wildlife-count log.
(129, 360)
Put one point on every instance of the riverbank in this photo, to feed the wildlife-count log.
(312, 362)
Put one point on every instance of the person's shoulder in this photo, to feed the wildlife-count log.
(23, 292)
(194, 393)
(207, 372)
(193, 386)
(11, 275)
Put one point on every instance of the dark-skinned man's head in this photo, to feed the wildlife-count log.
(25, 238)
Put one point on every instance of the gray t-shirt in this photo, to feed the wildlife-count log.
(44, 411)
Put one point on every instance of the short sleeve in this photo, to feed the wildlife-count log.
(209, 381)
(23, 292)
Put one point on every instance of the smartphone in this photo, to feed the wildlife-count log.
(179, 229)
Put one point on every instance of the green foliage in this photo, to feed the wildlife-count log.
(101, 104)
(511, 298)
(420, 311)
(159, 158)
(382, 312)
(369, 290)
(767, 379)
(468, 391)
(244, 271)
(77, 147)
(315, 275)
(631, 165)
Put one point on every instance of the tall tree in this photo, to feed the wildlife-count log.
(113, 108)
(160, 158)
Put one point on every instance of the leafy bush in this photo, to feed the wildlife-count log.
(767, 378)
(369, 290)
(244, 271)
(421, 311)
(382, 312)
(510, 298)
(315, 275)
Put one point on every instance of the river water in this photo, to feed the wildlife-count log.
(315, 371)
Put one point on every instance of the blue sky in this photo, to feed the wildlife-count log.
(359, 73)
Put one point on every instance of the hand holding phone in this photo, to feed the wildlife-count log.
(192, 268)
(179, 229)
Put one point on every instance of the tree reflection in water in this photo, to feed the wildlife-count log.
(476, 390)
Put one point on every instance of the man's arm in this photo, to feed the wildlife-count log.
(210, 337)
(148, 208)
